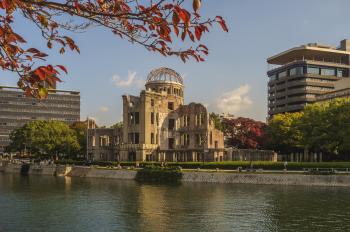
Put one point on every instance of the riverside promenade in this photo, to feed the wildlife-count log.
(207, 176)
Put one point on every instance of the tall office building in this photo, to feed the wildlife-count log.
(300, 75)
(16, 109)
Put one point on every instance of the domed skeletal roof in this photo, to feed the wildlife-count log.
(164, 75)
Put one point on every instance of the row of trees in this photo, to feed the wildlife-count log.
(49, 138)
(320, 127)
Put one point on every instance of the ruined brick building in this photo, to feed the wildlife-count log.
(157, 126)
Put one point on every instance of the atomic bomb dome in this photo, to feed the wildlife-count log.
(158, 126)
(164, 75)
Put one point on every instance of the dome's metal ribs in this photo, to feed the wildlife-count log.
(164, 75)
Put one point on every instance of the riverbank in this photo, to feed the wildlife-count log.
(188, 176)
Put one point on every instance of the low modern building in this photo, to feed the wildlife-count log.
(16, 109)
(301, 75)
(157, 126)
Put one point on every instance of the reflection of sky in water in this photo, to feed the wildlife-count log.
(81, 204)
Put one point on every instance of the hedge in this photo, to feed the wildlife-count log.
(156, 174)
(99, 163)
(227, 165)
(232, 165)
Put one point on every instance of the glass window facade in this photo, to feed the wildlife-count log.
(272, 77)
(328, 71)
(282, 74)
(296, 71)
(313, 70)
(340, 73)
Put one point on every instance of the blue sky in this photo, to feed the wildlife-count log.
(233, 78)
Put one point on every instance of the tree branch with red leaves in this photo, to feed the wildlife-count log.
(153, 24)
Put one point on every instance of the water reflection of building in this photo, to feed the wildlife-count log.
(157, 126)
(164, 208)
(68, 183)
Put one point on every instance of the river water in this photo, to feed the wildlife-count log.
(45, 203)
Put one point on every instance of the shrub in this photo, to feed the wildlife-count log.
(70, 162)
(106, 163)
(156, 174)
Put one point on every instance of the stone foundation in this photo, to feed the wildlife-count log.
(279, 179)
(201, 176)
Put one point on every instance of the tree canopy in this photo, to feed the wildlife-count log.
(153, 24)
(45, 138)
(283, 132)
(80, 129)
(326, 127)
(117, 125)
(320, 127)
(217, 121)
(244, 133)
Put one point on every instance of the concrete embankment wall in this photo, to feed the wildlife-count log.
(280, 179)
(209, 177)
(101, 173)
(10, 168)
(73, 171)
(45, 170)
(33, 170)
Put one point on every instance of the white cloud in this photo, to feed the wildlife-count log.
(104, 109)
(131, 80)
(234, 101)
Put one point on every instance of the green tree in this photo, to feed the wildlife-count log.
(117, 125)
(80, 129)
(320, 127)
(19, 140)
(326, 126)
(284, 132)
(45, 138)
(217, 121)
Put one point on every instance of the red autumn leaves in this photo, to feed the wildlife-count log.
(245, 133)
(154, 26)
